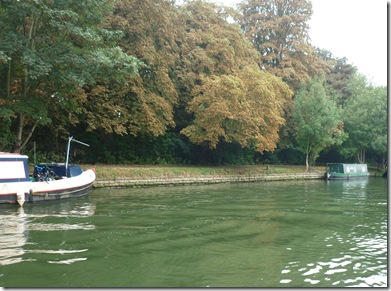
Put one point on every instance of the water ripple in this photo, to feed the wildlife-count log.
(67, 262)
(354, 267)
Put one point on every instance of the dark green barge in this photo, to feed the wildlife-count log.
(340, 171)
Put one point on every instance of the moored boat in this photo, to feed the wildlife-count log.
(48, 182)
(342, 171)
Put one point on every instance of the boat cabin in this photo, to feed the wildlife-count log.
(346, 171)
(13, 168)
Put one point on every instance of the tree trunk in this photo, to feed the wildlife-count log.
(382, 164)
(8, 82)
(361, 156)
(29, 135)
(307, 165)
(19, 131)
(20, 143)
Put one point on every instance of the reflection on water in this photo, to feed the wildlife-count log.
(17, 222)
(270, 234)
(349, 188)
(13, 239)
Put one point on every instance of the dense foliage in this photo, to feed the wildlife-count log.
(160, 82)
(318, 121)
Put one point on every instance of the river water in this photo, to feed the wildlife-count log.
(269, 234)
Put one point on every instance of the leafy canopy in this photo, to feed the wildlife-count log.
(317, 119)
(279, 31)
(49, 50)
(231, 98)
(365, 119)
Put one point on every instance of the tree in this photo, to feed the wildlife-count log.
(48, 51)
(229, 97)
(365, 118)
(317, 119)
(279, 31)
(209, 45)
(150, 31)
(339, 76)
(244, 109)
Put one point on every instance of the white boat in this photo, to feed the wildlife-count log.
(48, 182)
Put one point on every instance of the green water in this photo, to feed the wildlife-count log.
(268, 234)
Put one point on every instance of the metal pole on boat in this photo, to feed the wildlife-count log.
(69, 146)
(81, 142)
(66, 163)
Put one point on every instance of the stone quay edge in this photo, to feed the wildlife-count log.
(172, 181)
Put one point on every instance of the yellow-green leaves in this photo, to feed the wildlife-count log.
(247, 109)
(230, 97)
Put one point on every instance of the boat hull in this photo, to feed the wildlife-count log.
(59, 194)
(78, 186)
(339, 176)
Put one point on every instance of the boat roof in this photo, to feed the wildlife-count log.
(6, 155)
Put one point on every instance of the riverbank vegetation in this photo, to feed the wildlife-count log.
(163, 82)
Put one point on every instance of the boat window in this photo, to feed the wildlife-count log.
(14, 170)
(74, 171)
(336, 168)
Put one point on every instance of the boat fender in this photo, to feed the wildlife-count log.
(20, 197)
(31, 193)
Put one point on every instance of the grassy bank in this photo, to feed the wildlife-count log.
(116, 172)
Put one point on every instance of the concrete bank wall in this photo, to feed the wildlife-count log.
(204, 180)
